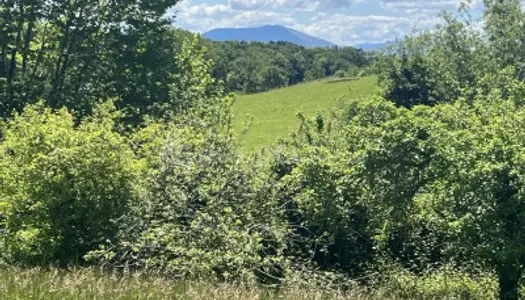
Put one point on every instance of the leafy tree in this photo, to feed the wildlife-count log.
(449, 176)
(73, 54)
(479, 194)
(426, 187)
(298, 68)
(274, 77)
(353, 71)
(436, 67)
(506, 33)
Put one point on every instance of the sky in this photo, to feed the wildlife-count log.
(344, 22)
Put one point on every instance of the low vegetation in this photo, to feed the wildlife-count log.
(93, 284)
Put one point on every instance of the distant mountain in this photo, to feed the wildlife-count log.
(373, 46)
(266, 34)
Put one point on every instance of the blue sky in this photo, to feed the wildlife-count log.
(344, 22)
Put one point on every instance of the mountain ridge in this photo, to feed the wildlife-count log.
(266, 34)
(373, 46)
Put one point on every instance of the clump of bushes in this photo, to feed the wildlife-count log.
(205, 212)
(340, 74)
(63, 186)
(445, 283)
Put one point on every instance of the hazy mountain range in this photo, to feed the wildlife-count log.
(373, 46)
(270, 33)
(266, 34)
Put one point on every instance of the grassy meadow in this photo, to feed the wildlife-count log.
(272, 115)
(89, 284)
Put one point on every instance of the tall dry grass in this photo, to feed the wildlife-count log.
(83, 284)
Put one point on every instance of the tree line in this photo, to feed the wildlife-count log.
(252, 67)
(258, 67)
(121, 154)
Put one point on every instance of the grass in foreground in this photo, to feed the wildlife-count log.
(88, 284)
(274, 113)
(84, 284)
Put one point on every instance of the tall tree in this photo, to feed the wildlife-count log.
(75, 52)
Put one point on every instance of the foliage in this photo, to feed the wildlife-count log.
(54, 51)
(205, 213)
(403, 193)
(445, 283)
(457, 60)
(63, 186)
(75, 55)
(354, 71)
(505, 32)
(330, 226)
(471, 192)
(340, 74)
(442, 185)
(258, 67)
(435, 67)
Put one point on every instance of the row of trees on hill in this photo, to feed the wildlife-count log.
(251, 67)
(257, 67)
(117, 150)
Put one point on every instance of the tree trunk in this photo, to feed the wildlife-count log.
(28, 39)
(508, 281)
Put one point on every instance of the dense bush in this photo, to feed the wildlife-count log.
(423, 187)
(63, 186)
(204, 212)
(340, 74)
(445, 283)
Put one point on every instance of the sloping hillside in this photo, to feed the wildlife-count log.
(274, 113)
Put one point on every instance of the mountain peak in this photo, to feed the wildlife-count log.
(265, 34)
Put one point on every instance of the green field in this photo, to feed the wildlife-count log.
(273, 114)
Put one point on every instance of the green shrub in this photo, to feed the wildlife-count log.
(445, 283)
(353, 71)
(62, 186)
(205, 212)
(340, 74)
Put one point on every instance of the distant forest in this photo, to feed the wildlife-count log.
(252, 67)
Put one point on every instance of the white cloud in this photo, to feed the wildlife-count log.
(347, 29)
(427, 4)
(275, 4)
(206, 10)
(203, 17)
(340, 21)
(307, 5)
